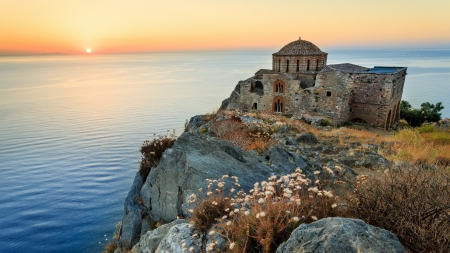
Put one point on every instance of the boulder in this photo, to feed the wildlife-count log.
(150, 241)
(308, 138)
(341, 235)
(179, 239)
(184, 168)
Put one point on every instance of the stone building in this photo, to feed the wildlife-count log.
(302, 84)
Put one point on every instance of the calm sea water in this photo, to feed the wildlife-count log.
(71, 128)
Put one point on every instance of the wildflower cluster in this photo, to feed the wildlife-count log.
(265, 217)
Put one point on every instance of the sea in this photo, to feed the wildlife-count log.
(71, 128)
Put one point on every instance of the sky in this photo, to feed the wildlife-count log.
(112, 26)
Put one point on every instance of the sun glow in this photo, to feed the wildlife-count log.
(88, 51)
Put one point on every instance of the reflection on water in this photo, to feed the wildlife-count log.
(71, 128)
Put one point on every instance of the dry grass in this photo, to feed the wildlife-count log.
(152, 151)
(261, 220)
(413, 203)
(422, 146)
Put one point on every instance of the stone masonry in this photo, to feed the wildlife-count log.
(302, 84)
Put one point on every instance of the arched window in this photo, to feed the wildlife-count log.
(298, 65)
(279, 88)
(307, 66)
(287, 66)
(278, 106)
(317, 65)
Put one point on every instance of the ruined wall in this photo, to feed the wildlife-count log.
(374, 95)
(329, 98)
(279, 63)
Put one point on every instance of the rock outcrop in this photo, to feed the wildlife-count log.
(197, 155)
(185, 167)
(341, 235)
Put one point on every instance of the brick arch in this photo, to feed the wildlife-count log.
(277, 84)
(278, 104)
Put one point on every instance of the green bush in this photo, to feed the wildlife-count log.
(325, 122)
(427, 112)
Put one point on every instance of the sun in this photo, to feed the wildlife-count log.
(88, 51)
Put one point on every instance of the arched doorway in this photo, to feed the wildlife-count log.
(388, 121)
(278, 104)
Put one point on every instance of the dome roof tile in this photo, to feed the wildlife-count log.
(300, 47)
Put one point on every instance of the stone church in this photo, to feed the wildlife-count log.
(302, 84)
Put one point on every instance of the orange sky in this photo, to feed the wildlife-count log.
(108, 26)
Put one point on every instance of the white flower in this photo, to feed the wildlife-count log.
(261, 200)
(246, 213)
(295, 219)
(316, 172)
(220, 185)
(191, 249)
(298, 202)
(214, 203)
(232, 245)
(209, 193)
(211, 233)
(260, 215)
(184, 245)
(314, 217)
(229, 223)
(224, 176)
(334, 205)
(232, 190)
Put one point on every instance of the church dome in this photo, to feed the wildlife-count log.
(299, 47)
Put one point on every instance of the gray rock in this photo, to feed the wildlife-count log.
(178, 237)
(132, 217)
(250, 120)
(184, 168)
(340, 235)
(290, 141)
(308, 138)
(195, 122)
(150, 241)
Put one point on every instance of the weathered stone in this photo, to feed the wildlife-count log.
(340, 235)
(307, 138)
(179, 239)
(150, 241)
(184, 168)
(132, 217)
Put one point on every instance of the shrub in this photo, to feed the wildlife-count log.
(427, 112)
(110, 247)
(413, 203)
(426, 129)
(152, 151)
(325, 122)
(261, 220)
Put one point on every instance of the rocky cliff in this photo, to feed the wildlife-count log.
(197, 156)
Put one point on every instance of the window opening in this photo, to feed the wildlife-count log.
(317, 65)
(307, 66)
(298, 65)
(328, 93)
(287, 66)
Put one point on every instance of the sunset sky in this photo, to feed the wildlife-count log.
(73, 26)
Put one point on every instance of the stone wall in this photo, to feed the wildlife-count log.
(316, 63)
(374, 96)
